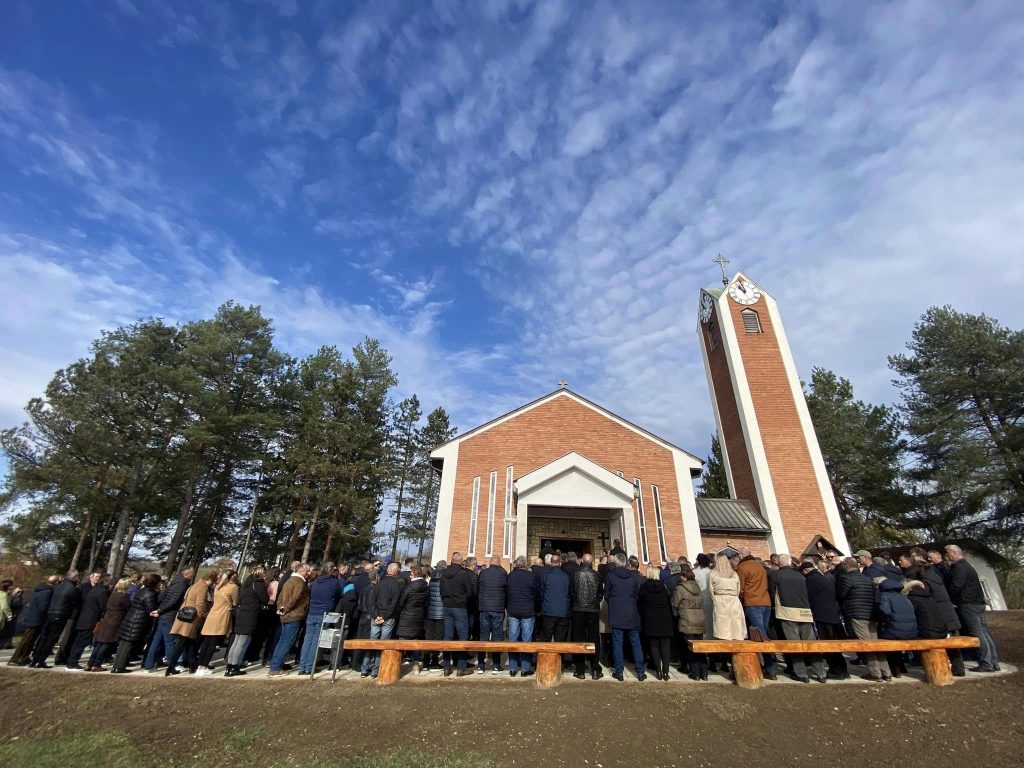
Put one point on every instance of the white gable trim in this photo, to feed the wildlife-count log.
(689, 459)
(571, 462)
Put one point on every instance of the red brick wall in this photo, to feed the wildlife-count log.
(789, 459)
(715, 541)
(547, 432)
(728, 413)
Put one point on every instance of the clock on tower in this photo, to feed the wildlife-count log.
(769, 447)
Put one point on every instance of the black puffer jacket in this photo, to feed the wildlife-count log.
(92, 607)
(66, 600)
(412, 610)
(252, 601)
(137, 621)
(857, 596)
(171, 598)
(586, 590)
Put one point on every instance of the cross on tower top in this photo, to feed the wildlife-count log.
(721, 261)
(562, 383)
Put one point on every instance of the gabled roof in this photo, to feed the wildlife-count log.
(732, 515)
(820, 545)
(566, 392)
(574, 461)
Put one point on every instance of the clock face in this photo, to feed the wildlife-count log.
(706, 307)
(743, 291)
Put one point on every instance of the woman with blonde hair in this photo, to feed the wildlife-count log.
(109, 626)
(724, 585)
(218, 623)
(253, 602)
(656, 620)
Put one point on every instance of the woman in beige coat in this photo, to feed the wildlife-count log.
(186, 633)
(218, 623)
(724, 585)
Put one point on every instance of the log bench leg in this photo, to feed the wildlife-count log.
(549, 669)
(937, 670)
(390, 667)
(746, 668)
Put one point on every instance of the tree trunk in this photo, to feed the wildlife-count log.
(311, 533)
(81, 541)
(330, 533)
(122, 523)
(293, 542)
(426, 513)
(186, 511)
(398, 516)
(129, 539)
(97, 540)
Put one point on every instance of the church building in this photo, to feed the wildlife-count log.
(565, 470)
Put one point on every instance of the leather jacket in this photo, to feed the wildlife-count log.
(586, 590)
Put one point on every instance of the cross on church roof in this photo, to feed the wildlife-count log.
(562, 383)
(721, 261)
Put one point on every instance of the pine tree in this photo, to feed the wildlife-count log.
(713, 482)
(404, 446)
(425, 481)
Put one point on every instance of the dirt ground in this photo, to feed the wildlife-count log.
(213, 721)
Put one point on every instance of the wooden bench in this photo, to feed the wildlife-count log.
(747, 666)
(549, 655)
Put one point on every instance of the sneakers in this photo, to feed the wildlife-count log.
(496, 671)
(275, 673)
(479, 670)
(204, 672)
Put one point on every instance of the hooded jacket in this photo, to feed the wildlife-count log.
(33, 615)
(898, 621)
(324, 593)
(621, 593)
(689, 605)
(456, 587)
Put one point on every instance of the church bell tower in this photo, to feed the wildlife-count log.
(769, 447)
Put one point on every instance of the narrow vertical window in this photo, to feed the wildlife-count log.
(658, 521)
(473, 510)
(492, 492)
(643, 520)
(506, 549)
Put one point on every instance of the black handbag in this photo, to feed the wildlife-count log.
(187, 614)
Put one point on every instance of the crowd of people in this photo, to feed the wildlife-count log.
(646, 613)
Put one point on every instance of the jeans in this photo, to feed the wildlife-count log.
(520, 631)
(309, 643)
(183, 647)
(492, 627)
(100, 653)
(759, 616)
(638, 652)
(161, 642)
(803, 630)
(236, 653)
(972, 616)
(289, 629)
(456, 627)
(585, 630)
(377, 632)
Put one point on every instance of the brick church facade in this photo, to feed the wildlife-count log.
(564, 469)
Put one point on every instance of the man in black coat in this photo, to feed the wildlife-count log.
(492, 585)
(456, 594)
(586, 607)
(383, 614)
(969, 598)
(66, 600)
(32, 620)
(94, 603)
(167, 606)
(788, 590)
(827, 622)
(858, 600)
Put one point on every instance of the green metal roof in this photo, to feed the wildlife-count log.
(730, 515)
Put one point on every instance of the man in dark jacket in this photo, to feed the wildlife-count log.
(69, 634)
(935, 582)
(66, 600)
(93, 605)
(492, 584)
(621, 592)
(859, 602)
(828, 624)
(383, 614)
(570, 564)
(793, 610)
(522, 587)
(555, 603)
(456, 593)
(969, 598)
(324, 594)
(167, 606)
(32, 620)
(586, 606)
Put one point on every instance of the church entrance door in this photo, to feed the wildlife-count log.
(579, 546)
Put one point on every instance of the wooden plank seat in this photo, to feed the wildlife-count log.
(549, 655)
(747, 666)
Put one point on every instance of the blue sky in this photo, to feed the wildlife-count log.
(509, 193)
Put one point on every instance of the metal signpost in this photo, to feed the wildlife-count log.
(332, 638)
